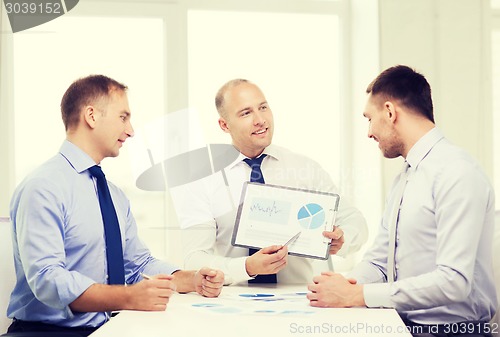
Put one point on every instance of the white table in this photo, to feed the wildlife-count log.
(284, 314)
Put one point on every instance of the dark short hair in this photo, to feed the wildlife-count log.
(406, 85)
(86, 91)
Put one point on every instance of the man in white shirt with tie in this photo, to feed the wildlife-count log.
(442, 219)
(207, 208)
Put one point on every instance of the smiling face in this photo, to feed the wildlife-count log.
(381, 127)
(247, 118)
(112, 124)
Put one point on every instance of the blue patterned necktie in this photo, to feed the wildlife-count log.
(258, 177)
(114, 251)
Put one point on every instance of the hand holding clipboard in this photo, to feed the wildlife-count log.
(268, 214)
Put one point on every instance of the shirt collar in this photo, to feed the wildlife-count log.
(423, 146)
(271, 151)
(77, 158)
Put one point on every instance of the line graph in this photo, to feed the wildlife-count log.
(269, 210)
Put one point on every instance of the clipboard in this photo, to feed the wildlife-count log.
(271, 214)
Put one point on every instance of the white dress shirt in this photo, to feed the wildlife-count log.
(443, 243)
(207, 211)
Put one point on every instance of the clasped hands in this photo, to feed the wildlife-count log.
(334, 290)
(154, 292)
(208, 282)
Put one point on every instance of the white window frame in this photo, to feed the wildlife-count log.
(174, 14)
(494, 26)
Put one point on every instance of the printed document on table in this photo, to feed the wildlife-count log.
(271, 215)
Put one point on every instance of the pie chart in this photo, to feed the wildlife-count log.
(311, 216)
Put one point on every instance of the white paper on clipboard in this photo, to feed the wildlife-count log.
(270, 215)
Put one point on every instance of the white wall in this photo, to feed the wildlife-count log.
(448, 41)
(6, 120)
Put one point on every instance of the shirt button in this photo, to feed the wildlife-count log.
(397, 265)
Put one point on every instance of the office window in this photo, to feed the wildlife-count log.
(174, 56)
(294, 58)
(299, 60)
(49, 57)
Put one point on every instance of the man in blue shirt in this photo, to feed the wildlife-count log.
(58, 232)
(432, 257)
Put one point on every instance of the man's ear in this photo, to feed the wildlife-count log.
(89, 116)
(390, 111)
(223, 125)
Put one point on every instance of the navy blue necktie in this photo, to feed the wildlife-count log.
(114, 251)
(258, 177)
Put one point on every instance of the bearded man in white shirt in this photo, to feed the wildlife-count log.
(207, 211)
(438, 274)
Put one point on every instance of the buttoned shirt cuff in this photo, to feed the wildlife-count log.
(238, 270)
(377, 295)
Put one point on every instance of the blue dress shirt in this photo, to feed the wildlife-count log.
(58, 241)
(443, 243)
